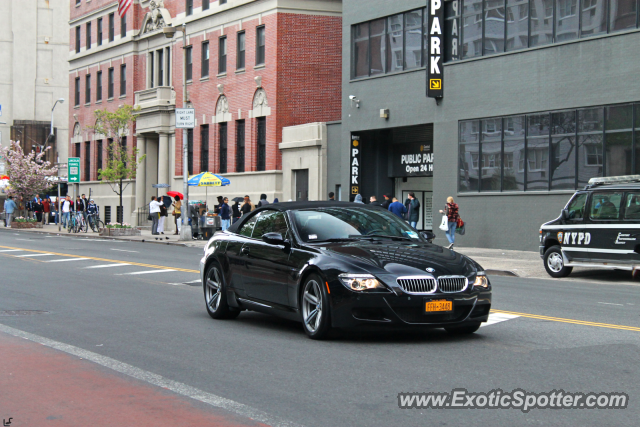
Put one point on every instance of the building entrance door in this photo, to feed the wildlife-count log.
(302, 185)
(422, 187)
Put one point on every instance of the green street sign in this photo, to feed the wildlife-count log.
(73, 174)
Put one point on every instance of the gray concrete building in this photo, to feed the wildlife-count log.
(538, 98)
(34, 43)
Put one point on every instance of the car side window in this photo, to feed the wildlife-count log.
(632, 207)
(247, 227)
(606, 206)
(576, 207)
(270, 222)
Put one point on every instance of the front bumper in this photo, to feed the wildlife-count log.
(406, 311)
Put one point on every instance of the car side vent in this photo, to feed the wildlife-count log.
(452, 283)
(417, 284)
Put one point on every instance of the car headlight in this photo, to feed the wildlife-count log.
(361, 282)
(481, 280)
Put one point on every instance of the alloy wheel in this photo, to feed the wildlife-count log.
(312, 306)
(213, 289)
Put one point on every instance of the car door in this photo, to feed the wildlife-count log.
(572, 237)
(235, 255)
(628, 234)
(605, 227)
(267, 267)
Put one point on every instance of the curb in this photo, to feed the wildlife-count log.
(508, 273)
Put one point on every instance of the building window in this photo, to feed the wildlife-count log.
(112, 27)
(622, 15)
(262, 143)
(240, 146)
(168, 64)
(88, 31)
(190, 150)
(87, 89)
(204, 148)
(78, 39)
(205, 59)
(87, 161)
(78, 2)
(223, 2)
(77, 92)
(223, 147)
(123, 79)
(557, 150)
(99, 86)
(222, 55)
(123, 26)
(160, 68)
(152, 72)
(241, 49)
(99, 40)
(260, 45)
(110, 83)
(189, 7)
(189, 53)
(98, 158)
(205, 4)
(123, 147)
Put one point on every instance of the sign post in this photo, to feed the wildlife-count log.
(435, 70)
(185, 119)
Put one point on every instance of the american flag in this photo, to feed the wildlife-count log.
(123, 6)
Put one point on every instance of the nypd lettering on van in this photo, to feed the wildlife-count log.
(574, 238)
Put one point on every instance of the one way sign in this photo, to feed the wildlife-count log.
(185, 118)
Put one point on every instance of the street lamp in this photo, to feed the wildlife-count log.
(185, 231)
(61, 101)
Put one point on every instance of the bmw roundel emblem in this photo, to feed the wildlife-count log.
(431, 270)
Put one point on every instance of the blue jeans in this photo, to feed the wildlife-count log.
(225, 223)
(413, 223)
(451, 233)
(65, 219)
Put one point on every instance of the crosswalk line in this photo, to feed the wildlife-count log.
(12, 250)
(145, 272)
(498, 317)
(69, 259)
(120, 264)
(32, 255)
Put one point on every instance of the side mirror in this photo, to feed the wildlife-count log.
(273, 239)
(564, 214)
(428, 235)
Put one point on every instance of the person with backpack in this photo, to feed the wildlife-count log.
(451, 210)
(413, 209)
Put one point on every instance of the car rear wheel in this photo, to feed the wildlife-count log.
(214, 294)
(463, 329)
(554, 263)
(316, 319)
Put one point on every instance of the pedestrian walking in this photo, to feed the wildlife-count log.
(225, 214)
(46, 209)
(247, 206)
(29, 206)
(164, 213)
(397, 208)
(177, 204)
(235, 211)
(386, 202)
(9, 208)
(413, 209)
(373, 201)
(332, 196)
(263, 201)
(55, 210)
(358, 199)
(85, 203)
(154, 212)
(38, 209)
(66, 211)
(451, 210)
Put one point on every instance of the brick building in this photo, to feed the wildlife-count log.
(253, 67)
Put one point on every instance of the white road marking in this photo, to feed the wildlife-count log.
(12, 250)
(122, 250)
(69, 259)
(32, 255)
(155, 379)
(498, 317)
(108, 265)
(144, 272)
(611, 303)
(185, 283)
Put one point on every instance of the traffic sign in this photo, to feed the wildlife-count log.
(185, 118)
(73, 168)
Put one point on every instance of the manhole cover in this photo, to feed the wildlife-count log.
(21, 312)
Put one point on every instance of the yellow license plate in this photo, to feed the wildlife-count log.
(438, 306)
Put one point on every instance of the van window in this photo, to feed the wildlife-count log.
(632, 209)
(606, 206)
(576, 206)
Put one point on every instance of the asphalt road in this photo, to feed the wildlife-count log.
(557, 335)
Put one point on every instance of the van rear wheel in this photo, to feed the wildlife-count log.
(554, 263)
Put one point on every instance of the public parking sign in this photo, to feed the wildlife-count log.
(185, 118)
(73, 174)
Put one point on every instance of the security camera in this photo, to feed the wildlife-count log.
(352, 97)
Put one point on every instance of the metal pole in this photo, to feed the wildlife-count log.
(185, 230)
(59, 210)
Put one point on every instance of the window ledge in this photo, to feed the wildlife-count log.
(87, 104)
(76, 107)
(517, 193)
(204, 79)
(110, 99)
(395, 73)
(240, 70)
(222, 75)
(259, 67)
(123, 96)
(99, 102)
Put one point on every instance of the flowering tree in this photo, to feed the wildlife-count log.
(27, 173)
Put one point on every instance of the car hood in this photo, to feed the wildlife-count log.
(405, 258)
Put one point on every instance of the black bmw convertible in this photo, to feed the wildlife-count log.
(341, 265)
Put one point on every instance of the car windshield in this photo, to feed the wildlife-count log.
(344, 223)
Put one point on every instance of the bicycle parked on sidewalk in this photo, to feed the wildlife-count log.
(76, 223)
(94, 221)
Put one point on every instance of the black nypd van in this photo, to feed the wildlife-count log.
(599, 227)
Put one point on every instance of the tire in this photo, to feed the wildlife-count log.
(214, 294)
(316, 312)
(464, 329)
(554, 263)
(99, 225)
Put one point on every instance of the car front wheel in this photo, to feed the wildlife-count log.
(315, 308)
(554, 263)
(214, 294)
